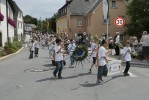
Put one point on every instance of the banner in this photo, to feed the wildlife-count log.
(114, 67)
(105, 9)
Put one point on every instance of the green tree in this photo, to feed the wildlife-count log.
(138, 10)
(30, 20)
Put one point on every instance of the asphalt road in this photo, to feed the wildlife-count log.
(24, 79)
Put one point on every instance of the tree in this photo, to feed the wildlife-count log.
(30, 20)
(138, 10)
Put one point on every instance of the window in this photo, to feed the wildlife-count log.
(121, 38)
(86, 0)
(79, 22)
(113, 4)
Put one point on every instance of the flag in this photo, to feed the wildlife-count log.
(105, 9)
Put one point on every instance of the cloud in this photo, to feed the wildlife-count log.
(40, 8)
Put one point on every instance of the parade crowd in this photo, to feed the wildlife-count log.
(60, 48)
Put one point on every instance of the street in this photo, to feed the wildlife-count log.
(24, 79)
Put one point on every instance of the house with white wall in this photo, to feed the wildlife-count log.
(7, 24)
(18, 18)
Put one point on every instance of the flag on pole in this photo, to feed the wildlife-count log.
(105, 9)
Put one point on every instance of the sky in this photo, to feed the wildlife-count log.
(40, 8)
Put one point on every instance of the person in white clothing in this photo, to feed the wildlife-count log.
(58, 58)
(71, 48)
(101, 61)
(36, 47)
(94, 48)
(117, 41)
(127, 58)
(31, 49)
(145, 44)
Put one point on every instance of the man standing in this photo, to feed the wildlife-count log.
(71, 48)
(117, 41)
(58, 58)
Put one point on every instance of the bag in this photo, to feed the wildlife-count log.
(53, 63)
(64, 62)
(105, 71)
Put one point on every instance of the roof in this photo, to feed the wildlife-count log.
(16, 6)
(81, 7)
(95, 6)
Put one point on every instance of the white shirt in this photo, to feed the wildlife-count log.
(58, 56)
(117, 39)
(144, 40)
(36, 44)
(127, 55)
(50, 45)
(32, 46)
(71, 48)
(94, 46)
(135, 42)
(101, 54)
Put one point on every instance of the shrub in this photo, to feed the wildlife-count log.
(2, 53)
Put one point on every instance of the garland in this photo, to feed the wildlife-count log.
(80, 53)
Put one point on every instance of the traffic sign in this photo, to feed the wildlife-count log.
(119, 21)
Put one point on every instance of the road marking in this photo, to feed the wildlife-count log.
(131, 74)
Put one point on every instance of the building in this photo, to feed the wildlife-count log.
(7, 24)
(18, 18)
(28, 28)
(78, 16)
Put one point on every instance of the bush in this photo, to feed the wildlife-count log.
(12, 47)
(2, 53)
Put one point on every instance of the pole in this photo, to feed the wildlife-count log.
(107, 28)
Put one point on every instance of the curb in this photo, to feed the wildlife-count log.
(4, 57)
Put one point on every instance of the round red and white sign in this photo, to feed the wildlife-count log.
(119, 21)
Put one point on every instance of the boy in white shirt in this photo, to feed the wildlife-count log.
(127, 58)
(36, 47)
(71, 48)
(94, 47)
(58, 58)
(101, 61)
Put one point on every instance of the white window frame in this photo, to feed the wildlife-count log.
(79, 22)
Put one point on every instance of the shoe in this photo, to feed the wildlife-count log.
(60, 77)
(126, 74)
(98, 82)
(54, 75)
(90, 71)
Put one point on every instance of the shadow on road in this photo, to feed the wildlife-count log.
(48, 65)
(114, 77)
(69, 77)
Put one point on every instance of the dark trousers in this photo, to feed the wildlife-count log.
(117, 50)
(127, 67)
(59, 68)
(31, 54)
(36, 51)
(102, 70)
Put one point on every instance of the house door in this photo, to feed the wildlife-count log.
(0, 39)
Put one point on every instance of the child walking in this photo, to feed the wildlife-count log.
(127, 58)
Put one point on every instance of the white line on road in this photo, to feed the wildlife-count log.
(131, 74)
